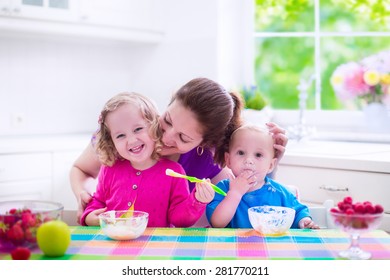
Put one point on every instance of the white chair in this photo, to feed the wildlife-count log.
(319, 214)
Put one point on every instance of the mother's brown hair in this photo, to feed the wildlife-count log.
(217, 110)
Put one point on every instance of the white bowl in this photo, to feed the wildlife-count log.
(271, 220)
(116, 226)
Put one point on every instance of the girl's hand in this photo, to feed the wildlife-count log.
(204, 192)
(92, 218)
(83, 200)
(243, 182)
(307, 223)
(279, 134)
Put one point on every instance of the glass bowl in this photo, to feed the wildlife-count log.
(271, 220)
(356, 225)
(123, 224)
(20, 219)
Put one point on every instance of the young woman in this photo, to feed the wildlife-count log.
(196, 126)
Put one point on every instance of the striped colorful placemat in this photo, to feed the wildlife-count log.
(89, 243)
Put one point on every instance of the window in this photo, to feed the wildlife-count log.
(296, 39)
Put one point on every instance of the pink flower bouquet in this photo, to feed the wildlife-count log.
(368, 79)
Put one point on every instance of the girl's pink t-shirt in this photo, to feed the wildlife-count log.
(167, 199)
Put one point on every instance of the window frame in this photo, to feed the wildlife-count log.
(328, 121)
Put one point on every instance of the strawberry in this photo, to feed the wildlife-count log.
(359, 208)
(30, 235)
(378, 208)
(9, 220)
(16, 234)
(26, 210)
(21, 253)
(28, 220)
(347, 206)
(347, 200)
(369, 209)
(341, 205)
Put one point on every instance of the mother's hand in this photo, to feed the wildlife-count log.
(279, 134)
(83, 200)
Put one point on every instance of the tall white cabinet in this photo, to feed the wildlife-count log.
(38, 167)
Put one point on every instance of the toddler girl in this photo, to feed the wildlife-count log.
(133, 174)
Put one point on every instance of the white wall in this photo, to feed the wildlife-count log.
(58, 85)
(235, 43)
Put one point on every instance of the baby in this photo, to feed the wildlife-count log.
(251, 156)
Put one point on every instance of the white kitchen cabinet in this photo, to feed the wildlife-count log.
(58, 10)
(25, 176)
(123, 20)
(29, 190)
(138, 14)
(333, 171)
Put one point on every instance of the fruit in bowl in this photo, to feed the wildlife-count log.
(356, 218)
(20, 220)
(123, 224)
(271, 220)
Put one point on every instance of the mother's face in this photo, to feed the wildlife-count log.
(181, 130)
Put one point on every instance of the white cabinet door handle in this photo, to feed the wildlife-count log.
(333, 188)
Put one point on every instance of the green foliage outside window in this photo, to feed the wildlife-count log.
(281, 61)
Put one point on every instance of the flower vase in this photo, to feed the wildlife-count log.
(258, 117)
(376, 117)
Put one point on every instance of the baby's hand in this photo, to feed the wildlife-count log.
(204, 192)
(307, 223)
(243, 182)
(92, 218)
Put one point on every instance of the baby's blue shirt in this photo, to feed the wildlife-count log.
(271, 193)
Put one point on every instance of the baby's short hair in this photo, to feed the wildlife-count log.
(262, 129)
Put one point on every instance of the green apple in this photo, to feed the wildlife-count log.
(53, 238)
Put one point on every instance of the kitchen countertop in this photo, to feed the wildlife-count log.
(370, 157)
(43, 143)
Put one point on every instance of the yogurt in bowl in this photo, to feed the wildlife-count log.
(123, 224)
(271, 220)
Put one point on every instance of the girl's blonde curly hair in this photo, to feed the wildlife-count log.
(105, 146)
